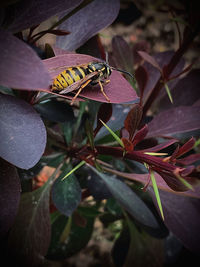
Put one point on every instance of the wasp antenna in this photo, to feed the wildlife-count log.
(106, 57)
(123, 71)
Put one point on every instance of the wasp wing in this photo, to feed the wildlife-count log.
(77, 85)
(64, 67)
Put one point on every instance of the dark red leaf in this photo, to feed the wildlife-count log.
(162, 185)
(124, 133)
(162, 58)
(174, 183)
(9, 196)
(55, 32)
(118, 89)
(59, 51)
(186, 147)
(29, 237)
(140, 135)
(182, 218)
(175, 120)
(94, 47)
(161, 146)
(122, 54)
(140, 46)
(87, 22)
(185, 92)
(189, 159)
(127, 144)
(29, 13)
(150, 60)
(20, 67)
(141, 76)
(133, 119)
(104, 114)
(174, 154)
(187, 171)
(116, 121)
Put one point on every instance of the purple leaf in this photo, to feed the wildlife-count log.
(59, 51)
(29, 237)
(189, 159)
(150, 60)
(140, 135)
(174, 183)
(122, 54)
(162, 185)
(22, 132)
(162, 58)
(104, 114)
(87, 22)
(116, 121)
(20, 67)
(133, 119)
(160, 146)
(186, 147)
(182, 217)
(140, 46)
(185, 92)
(36, 11)
(9, 195)
(141, 76)
(175, 120)
(55, 32)
(118, 89)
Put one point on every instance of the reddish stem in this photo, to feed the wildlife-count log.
(170, 67)
(137, 156)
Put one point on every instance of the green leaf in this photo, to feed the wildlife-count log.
(129, 200)
(113, 134)
(155, 188)
(77, 238)
(89, 211)
(66, 230)
(89, 133)
(188, 185)
(67, 131)
(74, 169)
(168, 93)
(113, 207)
(197, 142)
(66, 194)
(80, 114)
(30, 233)
(144, 250)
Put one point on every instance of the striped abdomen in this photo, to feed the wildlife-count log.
(68, 77)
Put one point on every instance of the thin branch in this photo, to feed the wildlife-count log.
(170, 67)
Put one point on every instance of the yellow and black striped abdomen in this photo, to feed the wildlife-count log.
(68, 77)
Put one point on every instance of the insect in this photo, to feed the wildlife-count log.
(79, 76)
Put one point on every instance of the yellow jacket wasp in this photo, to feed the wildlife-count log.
(78, 77)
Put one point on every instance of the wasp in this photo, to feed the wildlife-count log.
(79, 76)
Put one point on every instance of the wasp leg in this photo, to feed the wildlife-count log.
(101, 86)
(107, 81)
(80, 89)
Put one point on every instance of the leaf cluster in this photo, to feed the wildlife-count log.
(134, 160)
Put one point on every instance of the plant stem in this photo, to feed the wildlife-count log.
(82, 5)
(137, 156)
(170, 67)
